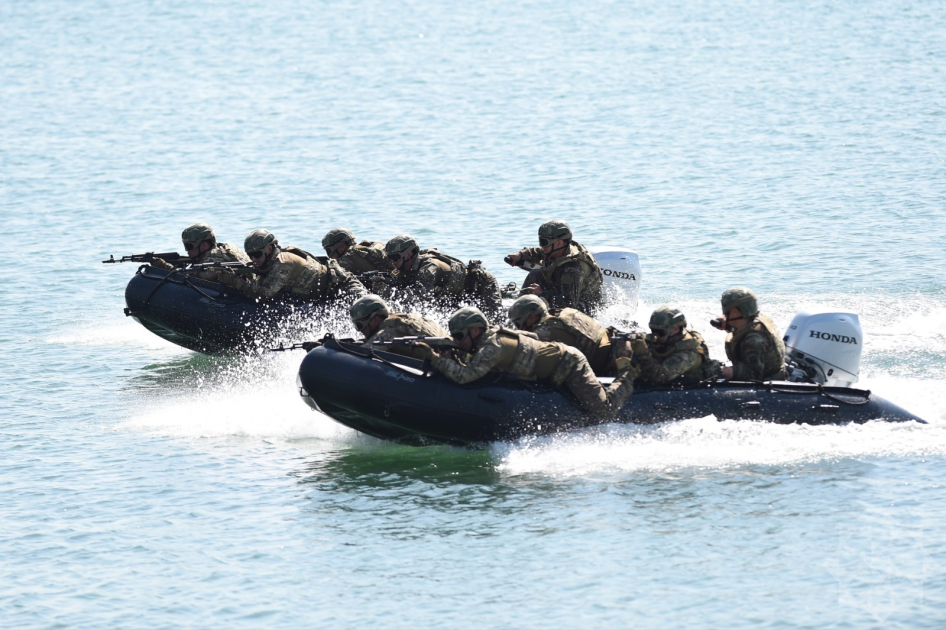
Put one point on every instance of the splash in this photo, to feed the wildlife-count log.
(705, 443)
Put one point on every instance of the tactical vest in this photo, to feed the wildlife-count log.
(774, 357)
(524, 356)
(456, 283)
(298, 251)
(223, 252)
(692, 341)
(409, 325)
(591, 271)
(363, 257)
(304, 274)
(576, 329)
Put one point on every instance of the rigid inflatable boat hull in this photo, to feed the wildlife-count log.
(390, 397)
(201, 315)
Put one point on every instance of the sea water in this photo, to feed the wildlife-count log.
(794, 147)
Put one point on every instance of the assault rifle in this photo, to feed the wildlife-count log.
(433, 342)
(178, 260)
(305, 345)
(236, 267)
(620, 335)
(368, 277)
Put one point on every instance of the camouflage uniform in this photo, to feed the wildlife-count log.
(406, 325)
(363, 257)
(573, 328)
(222, 252)
(302, 275)
(524, 356)
(448, 281)
(571, 281)
(681, 359)
(757, 351)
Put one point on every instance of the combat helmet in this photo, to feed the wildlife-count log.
(197, 233)
(465, 318)
(400, 244)
(743, 299)
(667, 318)
(555, 229)
(336, 236)
(258, 239)
(366, 307)
(525, 306)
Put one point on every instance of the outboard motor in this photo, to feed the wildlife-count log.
(824, 347)
(622, 275)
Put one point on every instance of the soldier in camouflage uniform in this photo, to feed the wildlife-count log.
(372, 318)
(567, 275)
(293, 270)
(671, 352)
(340, 245)
(495, 349)
(428, 274)
(753, 344)
(571, 327)
(201, 246)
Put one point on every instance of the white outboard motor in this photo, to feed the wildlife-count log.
(825, 346)
(622, 275)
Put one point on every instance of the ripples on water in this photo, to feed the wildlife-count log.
(793, 147)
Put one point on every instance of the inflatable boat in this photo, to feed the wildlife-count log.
(206, 316)
(209, 317)
(397, 398)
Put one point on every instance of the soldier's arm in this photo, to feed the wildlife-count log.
(381, 335)
(428, 278)
(671, 369)
(271, 284)
(344, 283)
(479, 365)
(568, 293)
(533, 277)
(532, 254)
(751, 367)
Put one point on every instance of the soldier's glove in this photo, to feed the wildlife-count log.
(160, 263)
(626, 365)
(423, 350)
(639, 346)
(310, 345)
(712, 368)
(228, 278)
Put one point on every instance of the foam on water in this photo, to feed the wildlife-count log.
(705, 443)
(126, 332)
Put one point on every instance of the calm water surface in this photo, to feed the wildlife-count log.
(796, 147)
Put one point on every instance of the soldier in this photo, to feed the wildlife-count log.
(372, 318)
(201, 245)
(340, 245)
(293, 269)
(495, 349)
(429, 274)
(567, 275)
(568, 326)
(753, 344)
(672, 352)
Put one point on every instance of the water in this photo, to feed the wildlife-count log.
(792, 147)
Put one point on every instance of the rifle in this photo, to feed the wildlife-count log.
(305, 345)
(368, 277)
(620, 335)
(236, 267)
(178, 260)
(433, 342)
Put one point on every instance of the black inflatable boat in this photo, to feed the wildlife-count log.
(207, 316)
(392, 397)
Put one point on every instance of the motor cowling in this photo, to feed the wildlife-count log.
(622, 274)
(826, 346)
